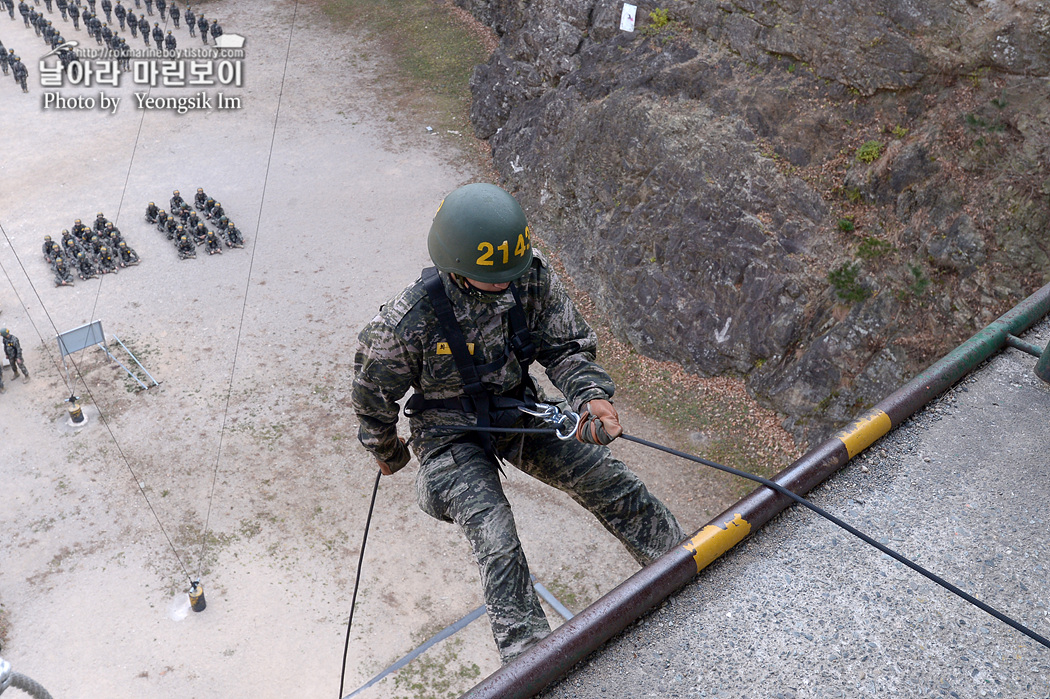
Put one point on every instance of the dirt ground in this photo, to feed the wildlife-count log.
(248, 436)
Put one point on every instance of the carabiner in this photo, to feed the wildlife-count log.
(564, 422)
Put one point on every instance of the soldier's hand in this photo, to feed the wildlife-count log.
(599, 422)
(392, 466)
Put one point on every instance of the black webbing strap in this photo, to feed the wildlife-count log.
(457, 345)
(520, 338)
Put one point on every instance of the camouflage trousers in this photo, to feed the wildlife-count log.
(461, 484)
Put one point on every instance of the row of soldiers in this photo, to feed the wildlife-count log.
(13, 352)
(88, 251)
(9, 61)
(125, 16)
(184, 225)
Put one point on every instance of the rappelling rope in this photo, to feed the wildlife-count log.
(357, 580)
(247, 287)
(801, 500)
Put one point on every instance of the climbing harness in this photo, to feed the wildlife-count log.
(491, 409)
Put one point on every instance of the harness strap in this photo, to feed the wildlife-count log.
(457, 343)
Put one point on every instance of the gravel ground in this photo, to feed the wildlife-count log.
(803, 609)
(104, 524)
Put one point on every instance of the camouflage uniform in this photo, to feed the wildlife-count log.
(13, 350)
(457, 480)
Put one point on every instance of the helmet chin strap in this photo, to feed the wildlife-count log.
(472, 290)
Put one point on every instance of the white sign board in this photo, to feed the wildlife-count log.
(627, 17)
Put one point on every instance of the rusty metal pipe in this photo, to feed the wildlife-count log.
(554, 656)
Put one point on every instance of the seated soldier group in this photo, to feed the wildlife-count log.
(184, 226)
(88, 251)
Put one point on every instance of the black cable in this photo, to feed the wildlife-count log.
(852, 530)
(802, 501)
(357, 581)
(247, 287)
(80, 375)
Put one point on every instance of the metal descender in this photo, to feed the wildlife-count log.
(564, 422)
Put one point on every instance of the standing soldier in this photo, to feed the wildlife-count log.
(191, 20)
(13, 350)
(144, 28)
(216, 31)
(107, 8)
(3, 57)
(23, 8)
(169, 42)
(107, 35)
(63, 8)
(149, 7)
(173, 11)
(133, 23)
(125, 54)
(161, 4)
(91, 4)
(512, 310)
(74, 14)
(202, 24)
(158, 35)
(121, 14)
(11, 8)
(20, 73)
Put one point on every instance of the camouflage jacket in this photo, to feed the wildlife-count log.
(404, 347)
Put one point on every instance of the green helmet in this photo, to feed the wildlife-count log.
(480, 232)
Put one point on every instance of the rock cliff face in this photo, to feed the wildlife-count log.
(820, 196)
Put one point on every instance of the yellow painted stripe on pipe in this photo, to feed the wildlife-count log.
(713, 540)
(864, 431)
